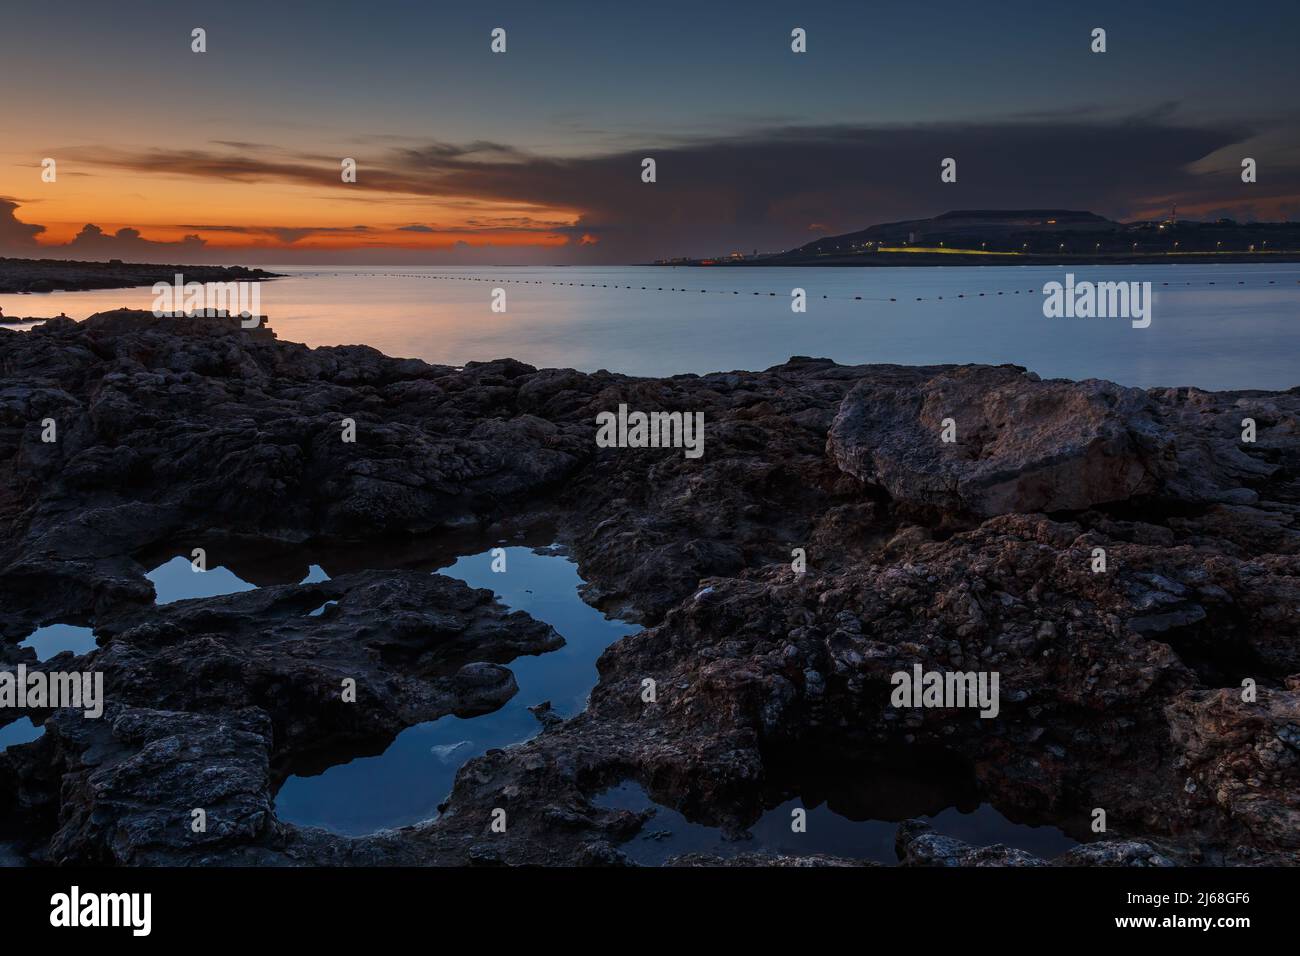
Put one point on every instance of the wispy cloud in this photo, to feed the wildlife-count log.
(760, 188)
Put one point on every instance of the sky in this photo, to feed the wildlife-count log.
(534, 155)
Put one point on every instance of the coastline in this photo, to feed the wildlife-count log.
(917, 553)
(877, 260)
(65, 275)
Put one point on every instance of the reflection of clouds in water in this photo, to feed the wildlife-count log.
(447, 752)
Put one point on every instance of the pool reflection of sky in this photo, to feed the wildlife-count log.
(406, 783)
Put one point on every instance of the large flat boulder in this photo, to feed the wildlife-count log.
(1021, 444)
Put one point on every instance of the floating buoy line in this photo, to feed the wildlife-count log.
(680, 289)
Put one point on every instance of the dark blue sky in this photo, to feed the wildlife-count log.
(578, 72)
(780, 144)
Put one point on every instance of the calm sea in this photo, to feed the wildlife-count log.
(1214, 326)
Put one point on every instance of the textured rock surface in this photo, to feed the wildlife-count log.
(213, 701)
(1020, 444)
(1120, 689)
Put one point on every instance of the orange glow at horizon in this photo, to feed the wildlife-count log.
(271, 215)
(253, 237)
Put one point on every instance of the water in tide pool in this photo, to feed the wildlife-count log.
(1214, 326)
(47, 642)
(57, 638)
(178, 581)
(20, 731)
(406, 783)
(670, 834)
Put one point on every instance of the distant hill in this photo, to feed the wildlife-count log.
(1035, 236)
(977, 224)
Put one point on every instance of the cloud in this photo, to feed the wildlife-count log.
(16, 238)
(125, 243)
(761, 189)
(241, 144)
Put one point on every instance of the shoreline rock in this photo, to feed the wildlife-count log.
(1120, 690)
(66, 275)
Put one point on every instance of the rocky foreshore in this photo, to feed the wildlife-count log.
(65, 275)
(1125, 688)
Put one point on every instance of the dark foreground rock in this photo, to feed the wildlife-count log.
(211, 702)
(1162, 687)
(919, 845)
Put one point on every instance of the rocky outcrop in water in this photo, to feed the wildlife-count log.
(54, 275)
(1162, 686)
